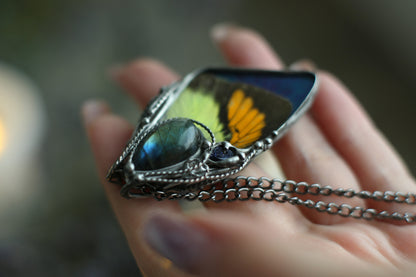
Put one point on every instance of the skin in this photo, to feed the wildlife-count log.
(335, 144)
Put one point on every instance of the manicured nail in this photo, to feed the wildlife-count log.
(174, 237)
(92, 109)
(303, 65)
(221, 30)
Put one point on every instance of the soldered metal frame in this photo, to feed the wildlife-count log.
(198, 170)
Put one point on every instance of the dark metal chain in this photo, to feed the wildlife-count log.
(245, 188)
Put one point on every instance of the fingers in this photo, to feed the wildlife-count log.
(306, 155)
(143, 79)
(230, 244)
(358, 141)
(106, 142)
(108, 135)
(200, 245)
(244, 47)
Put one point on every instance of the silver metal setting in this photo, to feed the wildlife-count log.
(191, 174)
(200, 178)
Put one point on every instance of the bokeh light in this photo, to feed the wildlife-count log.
(3, 139)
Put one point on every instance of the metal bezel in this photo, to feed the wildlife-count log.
(199, 169)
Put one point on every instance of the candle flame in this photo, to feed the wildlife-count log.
(2, 137)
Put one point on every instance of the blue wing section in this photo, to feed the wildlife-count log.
(294, 86)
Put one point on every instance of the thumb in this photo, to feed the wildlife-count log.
(228, 244)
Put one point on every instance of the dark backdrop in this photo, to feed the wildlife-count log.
(66, 48)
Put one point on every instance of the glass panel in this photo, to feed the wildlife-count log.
(294, 86)
(241, 106)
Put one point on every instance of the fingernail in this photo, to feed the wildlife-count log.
(175, 238)
(221, 30)
(303, 65)
(92, 109)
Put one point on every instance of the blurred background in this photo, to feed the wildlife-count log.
(54, 218)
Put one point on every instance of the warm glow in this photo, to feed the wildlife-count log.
(2, 137)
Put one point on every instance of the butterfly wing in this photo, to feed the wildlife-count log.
(236, 112)
(280, 96)
(239, 106)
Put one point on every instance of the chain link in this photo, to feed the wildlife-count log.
(245, 188)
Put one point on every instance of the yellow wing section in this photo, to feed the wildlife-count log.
(199, 106)
(245, 121)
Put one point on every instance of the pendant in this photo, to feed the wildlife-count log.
(209, 126)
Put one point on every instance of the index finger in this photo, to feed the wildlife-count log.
(108, 134)
(143, 78)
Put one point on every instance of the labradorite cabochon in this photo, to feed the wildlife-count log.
(172, 142)
(277, 95)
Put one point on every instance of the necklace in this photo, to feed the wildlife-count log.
(200, 131)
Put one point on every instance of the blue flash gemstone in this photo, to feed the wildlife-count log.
(172, 142)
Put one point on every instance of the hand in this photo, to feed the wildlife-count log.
(334, 144)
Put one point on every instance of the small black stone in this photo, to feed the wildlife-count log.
(221, 153)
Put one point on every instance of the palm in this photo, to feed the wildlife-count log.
(271, 238)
